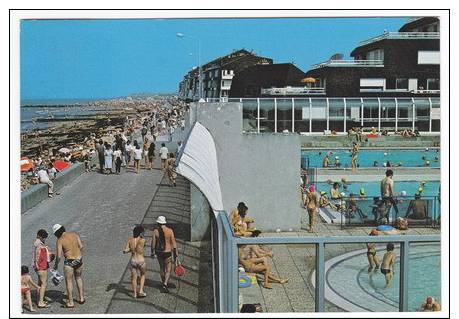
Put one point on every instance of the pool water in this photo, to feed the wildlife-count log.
(366, 158)
(423, 278)
(349, 279)
(373, 188)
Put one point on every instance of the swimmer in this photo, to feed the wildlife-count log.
(362, 192)
(385, 154)
(371, 253)
(427, 163)
(420, 190)
(430, 305)
(343, 180)
(387, 265)
(375, 164)
(427, 149)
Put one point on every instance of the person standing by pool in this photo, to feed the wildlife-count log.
(337, 162)
(388, 192)
(355, 153)
(326, 161)
(164, 247)
(312, 205)
(387, 265)
(371, 253)
(136, 245)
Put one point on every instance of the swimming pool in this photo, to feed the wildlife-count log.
(366, 158)
(365, 291)
(373, 188)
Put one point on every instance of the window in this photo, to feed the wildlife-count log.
(372, 84)
(433, 84)
(401, 84)
(428, 57)
(376, 55)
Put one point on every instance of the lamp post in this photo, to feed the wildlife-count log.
(181, 35)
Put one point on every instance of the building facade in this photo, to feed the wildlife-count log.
(217, 75)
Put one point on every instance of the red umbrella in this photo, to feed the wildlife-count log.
(26, 164)
(60, 165)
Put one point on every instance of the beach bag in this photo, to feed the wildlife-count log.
(179, 269)
(56, 278)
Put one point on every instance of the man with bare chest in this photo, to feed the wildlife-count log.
(69, 245)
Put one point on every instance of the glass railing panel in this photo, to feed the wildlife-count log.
(267, 116)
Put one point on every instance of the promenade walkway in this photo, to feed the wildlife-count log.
(103, 209)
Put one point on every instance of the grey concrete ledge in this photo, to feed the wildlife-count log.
(37, 193)
(377, 173)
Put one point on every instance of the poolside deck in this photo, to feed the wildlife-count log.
(297, 262)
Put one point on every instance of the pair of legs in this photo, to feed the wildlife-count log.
(136, 272)
(151, 159)
(147, 162)
(50, 187)
(165, 269)
(42, 282)
(163, 164)
(101, 165)
(261, 266)
(70, 273)
(373, 261)
(312, 218)
(118, 163)
(172, 177)
(137, 166)
(354, 164)
(388, 276)
(27, 298)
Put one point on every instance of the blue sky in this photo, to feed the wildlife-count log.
(109, 58)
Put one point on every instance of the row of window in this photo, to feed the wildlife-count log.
(402, 84)
(424, 56)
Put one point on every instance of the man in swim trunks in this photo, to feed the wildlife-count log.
(355, 154)
(418, 207)
(69, 244)
(136, 245)
(388, 192)
(371, 253)
(164, 246)
(387, 265)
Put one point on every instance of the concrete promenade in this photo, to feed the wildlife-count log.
(103, 209)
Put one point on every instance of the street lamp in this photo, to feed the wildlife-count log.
(181, 35)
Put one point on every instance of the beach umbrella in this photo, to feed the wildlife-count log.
(26, 164)
(61, 165)
(64, 150)
(308, 80)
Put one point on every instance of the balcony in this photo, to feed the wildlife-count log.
(402, 36)
(293, 91)
(349, 63)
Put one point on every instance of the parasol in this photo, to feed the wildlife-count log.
(26, 164)
(308, 80)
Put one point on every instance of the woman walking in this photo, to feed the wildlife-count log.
(41, 259)
(117, 158)
(136, 245)
(171, 174)
(137, 157)
(312, 205)
(151, 155)
(108, 157)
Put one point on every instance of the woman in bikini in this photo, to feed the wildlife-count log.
(136, 245)
(258, 265)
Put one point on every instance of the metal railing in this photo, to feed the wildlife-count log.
(373, 211)
(402, 35)
(349, 63)
(225, 254)
(293, 91)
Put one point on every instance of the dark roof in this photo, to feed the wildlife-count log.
(407, 27)
(266, 76)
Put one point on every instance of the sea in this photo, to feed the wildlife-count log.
(31, 110)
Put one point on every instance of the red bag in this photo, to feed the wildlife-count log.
(179, 269)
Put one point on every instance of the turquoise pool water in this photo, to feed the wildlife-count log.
(423, 278)
(349, 285)
(366, 158)
(373, 188)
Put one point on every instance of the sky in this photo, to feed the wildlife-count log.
(71, 59)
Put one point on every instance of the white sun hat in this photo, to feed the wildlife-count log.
(161, 220)
(56, 227)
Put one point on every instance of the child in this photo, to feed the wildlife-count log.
(387, 265)
(26, 280)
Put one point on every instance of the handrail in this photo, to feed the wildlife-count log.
(402, 35)
(338, 63)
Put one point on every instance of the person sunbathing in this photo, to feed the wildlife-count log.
(258, 265)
